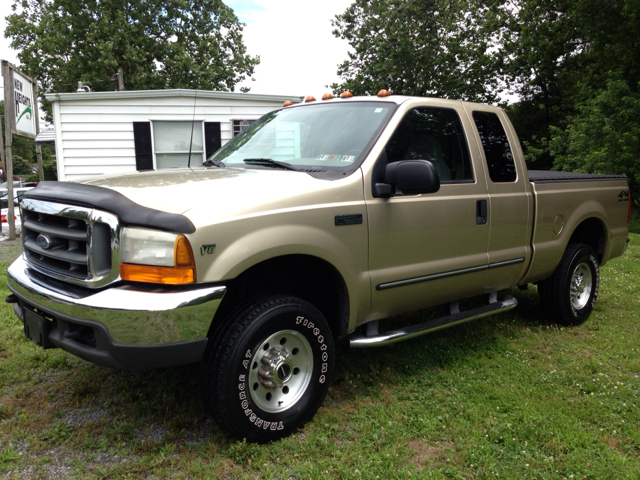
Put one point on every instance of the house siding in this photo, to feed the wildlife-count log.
(94, 131)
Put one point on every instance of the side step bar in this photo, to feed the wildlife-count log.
(387, 338)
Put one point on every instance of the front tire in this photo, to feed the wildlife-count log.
(268, 370)
(569, 295)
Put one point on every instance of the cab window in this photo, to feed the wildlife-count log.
(436, 135)
(497, 151)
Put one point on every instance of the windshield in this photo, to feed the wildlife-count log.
(317, 137)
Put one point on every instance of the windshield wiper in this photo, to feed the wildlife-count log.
(213, 163)
(267, 162)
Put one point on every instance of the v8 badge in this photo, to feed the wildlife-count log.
(208, 249)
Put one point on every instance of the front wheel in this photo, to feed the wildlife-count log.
(268, 369)
(569, 295)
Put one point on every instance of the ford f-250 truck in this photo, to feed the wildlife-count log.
(316, 223)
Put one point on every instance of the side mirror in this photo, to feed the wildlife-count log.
(411, 177)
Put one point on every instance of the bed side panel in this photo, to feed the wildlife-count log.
(561, 206)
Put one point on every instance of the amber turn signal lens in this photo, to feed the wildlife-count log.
(163, 275)
(287, 103)
(346, 94)
(383, 93)
(327, 96)
(183, 255)
(310, 99)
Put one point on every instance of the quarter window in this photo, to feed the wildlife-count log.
(436, 135)
(496, 147)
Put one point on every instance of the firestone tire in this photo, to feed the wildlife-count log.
(269, 368)
(569, 295)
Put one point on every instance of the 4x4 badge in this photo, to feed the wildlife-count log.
(208, 249)
(623, 196)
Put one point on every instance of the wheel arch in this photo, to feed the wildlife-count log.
(304, 276)
(592, 232)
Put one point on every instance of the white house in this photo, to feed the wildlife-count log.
(98, 133)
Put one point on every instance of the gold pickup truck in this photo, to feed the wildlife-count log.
(317, 223)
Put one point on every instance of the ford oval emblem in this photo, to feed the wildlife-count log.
(43, 241)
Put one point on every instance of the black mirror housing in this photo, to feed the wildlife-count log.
(413, 177)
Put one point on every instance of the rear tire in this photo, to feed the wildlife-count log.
(268, 370)
(569, 295)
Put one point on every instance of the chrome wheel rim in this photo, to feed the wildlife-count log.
(581, 285)
(280, 371)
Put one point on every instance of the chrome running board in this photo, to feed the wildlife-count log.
(387, 338)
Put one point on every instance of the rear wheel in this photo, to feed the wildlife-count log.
(569, 295)
(268, 369)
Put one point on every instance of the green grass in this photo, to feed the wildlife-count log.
(505, 397)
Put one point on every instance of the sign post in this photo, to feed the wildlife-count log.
(21, 118)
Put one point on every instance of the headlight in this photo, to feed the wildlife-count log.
(153, 256)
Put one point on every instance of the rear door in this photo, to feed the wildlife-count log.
(510, 203)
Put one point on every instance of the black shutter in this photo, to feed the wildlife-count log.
(212, 139)
(142, 142)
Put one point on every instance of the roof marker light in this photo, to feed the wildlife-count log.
(383, 93)
(310, 99)
(346, 94)
(327, 96)
(287, 103)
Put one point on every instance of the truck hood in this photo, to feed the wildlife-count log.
(221, 192)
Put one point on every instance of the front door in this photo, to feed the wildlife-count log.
(429, 249)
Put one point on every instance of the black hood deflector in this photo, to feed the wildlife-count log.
(129, 213)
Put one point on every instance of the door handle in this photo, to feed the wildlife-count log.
(481, 212)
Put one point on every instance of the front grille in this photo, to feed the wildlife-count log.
(76, 244)
(68, 253)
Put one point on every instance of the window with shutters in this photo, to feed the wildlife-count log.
(166, 145)
(172, 141)
(241, 125)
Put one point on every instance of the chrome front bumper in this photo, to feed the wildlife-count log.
(124, 316)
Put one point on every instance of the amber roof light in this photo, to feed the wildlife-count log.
(287, 103)
(327, 96)
(346, 94)
(383, 93)
(310, 99)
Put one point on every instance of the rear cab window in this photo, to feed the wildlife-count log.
(497, 151)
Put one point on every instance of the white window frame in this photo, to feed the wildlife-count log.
(152, 121)
(242, 127)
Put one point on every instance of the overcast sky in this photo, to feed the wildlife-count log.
(298, 53)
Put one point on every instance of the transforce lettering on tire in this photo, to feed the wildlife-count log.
(323, 346)
(244, 404)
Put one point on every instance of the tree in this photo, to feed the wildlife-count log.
(603, 136)
(418, 47)
(157, 43)
(23, 151)
(574, 65)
